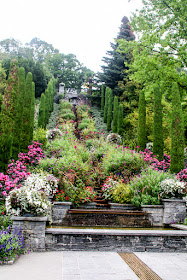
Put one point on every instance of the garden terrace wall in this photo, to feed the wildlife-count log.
(116, 240)
(33, 229)
(59, 211)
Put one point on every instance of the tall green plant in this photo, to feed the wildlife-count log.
(142, 121)
(26, 135)
(41, 116)
(115, 115)
(102, 99)
(120, 120)
(32, 111)
(18, 122)
(177, 132)
(109, 112)
(8, 114)
(107, 92)
(158, 142)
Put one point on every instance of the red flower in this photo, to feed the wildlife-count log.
(67, 198)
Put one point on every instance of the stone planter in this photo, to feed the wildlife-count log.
(33, 229)
(91, 205)
(155, 214)
(59, 211)
(174, 211)
(120, 206)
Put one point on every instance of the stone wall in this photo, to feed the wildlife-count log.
(33, 229)
(116, 240)
(59, 211)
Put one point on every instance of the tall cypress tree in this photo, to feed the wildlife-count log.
(102, 99)
(177, 132)
(115, 115)
(47, 106)
(26, 135)
(17, 131)
(158, 142)
(109, 112)
(142, 121)
(41, 116)
(8, 114)
(32, 111)
(120, 120)
(106, 104)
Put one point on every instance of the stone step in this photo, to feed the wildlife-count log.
(106, 211)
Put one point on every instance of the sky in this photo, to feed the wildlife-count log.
(82, 27)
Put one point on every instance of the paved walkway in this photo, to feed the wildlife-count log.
(92, 266)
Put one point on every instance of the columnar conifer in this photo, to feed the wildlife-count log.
(158, 143)
(26, 135)
(102, 99)
(115, 115)
(41, 116)
(106, 104)
(177, 132)
(120, 120)
(32, 111)
(7, 116)
(109, 112)
(142, 121)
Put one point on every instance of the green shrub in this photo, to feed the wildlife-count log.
(40, 135)
(122, 193)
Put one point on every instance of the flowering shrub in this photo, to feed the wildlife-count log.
(11, 244)
(41, 182)
(108, 186)
(76, 195)
(34, 155)
(53, 133)
(154, 162)
(27, 200)
(182, 175)
(122, 193)
(6, 185)
(171, 188)
(17, 171)
(114, 138)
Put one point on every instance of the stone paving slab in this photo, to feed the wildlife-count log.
(76, 265)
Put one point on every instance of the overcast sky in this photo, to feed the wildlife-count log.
(82, 27)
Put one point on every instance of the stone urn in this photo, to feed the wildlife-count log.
(59, 211)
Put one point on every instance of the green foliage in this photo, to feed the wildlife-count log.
(41, 116)
(109, 112)
(120, 128)
(115, 115)
(158, 143)
(2, 80)
(40, 136)
(27, 104)
(32, 112)
(147, 183)
(8, 115)
(141, 121)
(102, 98)
(107, 92)
(122, 193)
(177, 132)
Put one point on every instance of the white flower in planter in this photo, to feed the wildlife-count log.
(171, 188)
(53, 133)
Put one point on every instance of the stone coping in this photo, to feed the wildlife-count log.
(152, 206)
(62, 203)
(55, 231)
(173, 200)
(177, 226)
(33, 219)
(120, 204)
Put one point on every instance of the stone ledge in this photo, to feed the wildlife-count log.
(180, 227)
(173, 200)
(55, 231)
(152, 206)
(33, 219)
(62, 203)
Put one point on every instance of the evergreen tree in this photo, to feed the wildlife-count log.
(109, 112)
(141, 121)
(102, 99)
(114, 69)
(8, 114)
(120, 120)
(47, 106)
(26, 135)
(106, 104)
(115, 115)
(158, 142)
(32, 111)
(177, 132)
(17, 131)
(41, 116)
